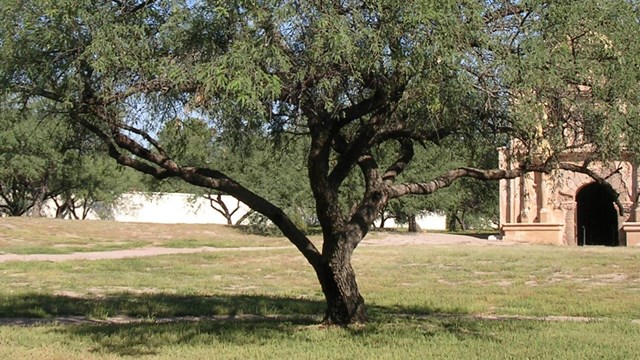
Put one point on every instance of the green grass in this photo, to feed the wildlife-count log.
(301, 339)
(72, 248)
(423, 301)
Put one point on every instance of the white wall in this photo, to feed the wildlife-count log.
(172, 208)
(175, 208)
(426, 221)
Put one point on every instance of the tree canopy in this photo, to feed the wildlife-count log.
(45, 159)
(350, 76)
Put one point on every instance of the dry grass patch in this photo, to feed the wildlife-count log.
(21, 235)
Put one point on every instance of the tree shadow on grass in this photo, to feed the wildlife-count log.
(151, 338)
(151, 306)
(223, 319)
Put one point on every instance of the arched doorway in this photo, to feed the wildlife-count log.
(597, 218)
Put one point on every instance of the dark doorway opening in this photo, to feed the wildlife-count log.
(597, 218)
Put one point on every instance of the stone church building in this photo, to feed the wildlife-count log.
(567, 208)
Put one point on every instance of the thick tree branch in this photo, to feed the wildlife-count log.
(363, 108)
(326, 195)
(406, 155)
(207, 178)
(213, 179)
(381, 101)
(145, 135)
(350, 151)
(373, 200)
(449, 177)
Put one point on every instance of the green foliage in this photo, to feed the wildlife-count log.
(214, 70)
(29, 155)
(44, 158)
(272, 170)
(579, 59)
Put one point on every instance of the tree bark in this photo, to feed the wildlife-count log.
(413, 224)
(337, 278)
(38, 202)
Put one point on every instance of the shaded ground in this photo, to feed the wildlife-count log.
(116, 320)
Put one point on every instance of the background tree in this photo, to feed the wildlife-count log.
(246, 158)
(90, 181)
(349, 76)
(44, 158)
(466, 202)
(31, 150)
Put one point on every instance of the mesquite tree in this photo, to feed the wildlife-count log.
(349, 75)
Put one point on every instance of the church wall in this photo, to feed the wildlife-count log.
(537, 198)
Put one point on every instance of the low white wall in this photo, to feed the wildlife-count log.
(177, 208)
(426, 221)
(172, 208)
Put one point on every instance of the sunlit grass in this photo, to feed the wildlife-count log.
(424, 302)
(53, 236)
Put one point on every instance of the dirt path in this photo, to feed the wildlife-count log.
(383, 240)
(128, 253)
(394, 239)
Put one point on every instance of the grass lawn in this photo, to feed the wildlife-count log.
(52, 236)
(438, 302)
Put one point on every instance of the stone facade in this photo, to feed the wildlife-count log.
(567, 208)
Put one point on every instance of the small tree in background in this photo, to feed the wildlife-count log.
(45, 159)
(31, 150)
(92, 182)
(247, 158)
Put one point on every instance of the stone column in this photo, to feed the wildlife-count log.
(569, 208)
(505, 188)
(523, 199)
(634, 192)
(545, 212)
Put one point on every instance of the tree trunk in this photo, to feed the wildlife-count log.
(345, 305)
(463, 221)
(61, 209)
(413, 224)
(38, 203)
(455, 220)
